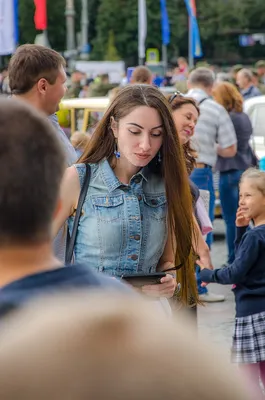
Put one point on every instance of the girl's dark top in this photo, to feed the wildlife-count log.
(247, 272)
(244, 157)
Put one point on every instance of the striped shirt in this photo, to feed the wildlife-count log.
(214, 127)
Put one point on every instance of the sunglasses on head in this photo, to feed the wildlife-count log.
(176, 94)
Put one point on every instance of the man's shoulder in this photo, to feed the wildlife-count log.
(74, 277)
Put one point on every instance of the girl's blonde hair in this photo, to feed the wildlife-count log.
(255, 175)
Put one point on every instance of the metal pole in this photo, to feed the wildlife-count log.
(191, 59)
(84, 24)
(164, 57)
(70, 24)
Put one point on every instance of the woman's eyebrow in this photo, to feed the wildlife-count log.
(141, 127)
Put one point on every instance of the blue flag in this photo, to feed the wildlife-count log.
(164, 23)
(196, 40)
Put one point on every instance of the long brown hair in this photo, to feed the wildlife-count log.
(172, 168)
(176, 102)
(228, 96)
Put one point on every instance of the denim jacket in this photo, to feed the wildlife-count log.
(123, 228)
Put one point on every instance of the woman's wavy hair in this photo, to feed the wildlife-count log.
(177, 101)
(228, 96)
(172, 168)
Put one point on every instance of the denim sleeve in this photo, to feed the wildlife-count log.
(246, 257)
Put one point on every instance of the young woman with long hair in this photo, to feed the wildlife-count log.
(185, 114)
(137, 215)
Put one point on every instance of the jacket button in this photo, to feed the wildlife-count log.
(154, 202)
(134, 257)
(140, 197)
(137, 237)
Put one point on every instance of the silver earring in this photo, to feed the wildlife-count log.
(159, 157)
(116, 152)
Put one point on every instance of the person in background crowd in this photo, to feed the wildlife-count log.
(4, 84)
(260, 67)
(138, 207)
(232, 168)
(186, 113)
(32, 163)
(78, 80)
(244, 80)
(37, 76)
(234, 71)
(247, 275)
(142, 75)
(80, 140)
(97, 346)
(214, 127)
(257, 82)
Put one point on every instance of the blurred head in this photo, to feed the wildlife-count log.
(31, 165)
(255, 77)
(37, 73)
(244, 78)
(235, 69)
(260, 67)
(79, 140)
(142, 75)
(202, 78)
(139, 123)
(185, 113)
(104, 347)
(252, 193)
(228, 96)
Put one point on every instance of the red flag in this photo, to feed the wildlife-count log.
(40, 17)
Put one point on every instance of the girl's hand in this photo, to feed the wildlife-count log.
(166, 288)
(241, 220)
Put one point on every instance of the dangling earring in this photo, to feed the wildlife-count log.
(159, 158)
(116, 152)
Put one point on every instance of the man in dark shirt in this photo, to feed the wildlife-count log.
(31, 168)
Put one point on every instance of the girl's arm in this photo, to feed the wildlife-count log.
(69, 195)
(246, 257)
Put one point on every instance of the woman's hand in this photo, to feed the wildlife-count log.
(166, 288)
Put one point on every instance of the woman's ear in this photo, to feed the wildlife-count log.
(114, 127)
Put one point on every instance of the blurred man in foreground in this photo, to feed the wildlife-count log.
(32, 164)
(99, 347)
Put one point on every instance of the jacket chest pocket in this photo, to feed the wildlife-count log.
(108, 208)
(156, 207)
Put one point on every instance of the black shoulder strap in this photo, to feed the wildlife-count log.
(200, 102)
(71, 239)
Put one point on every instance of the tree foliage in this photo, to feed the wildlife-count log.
(220, 22)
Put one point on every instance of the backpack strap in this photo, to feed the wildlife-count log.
(71, 239)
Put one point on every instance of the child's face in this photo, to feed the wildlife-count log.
(251, 200)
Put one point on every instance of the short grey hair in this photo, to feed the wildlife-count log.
(202, 76)
(247, 73)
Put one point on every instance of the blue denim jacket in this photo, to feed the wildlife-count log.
(123, 228)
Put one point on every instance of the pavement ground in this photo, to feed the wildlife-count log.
(216, 320)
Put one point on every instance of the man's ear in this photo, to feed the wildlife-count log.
(42, 86)
(114, 127)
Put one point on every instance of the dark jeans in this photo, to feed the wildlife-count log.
(229, 197)
(203, 178)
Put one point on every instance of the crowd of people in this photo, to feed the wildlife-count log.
(128, 201)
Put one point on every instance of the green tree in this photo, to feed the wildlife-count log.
(112, 53)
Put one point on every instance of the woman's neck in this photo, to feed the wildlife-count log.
(125, 171)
